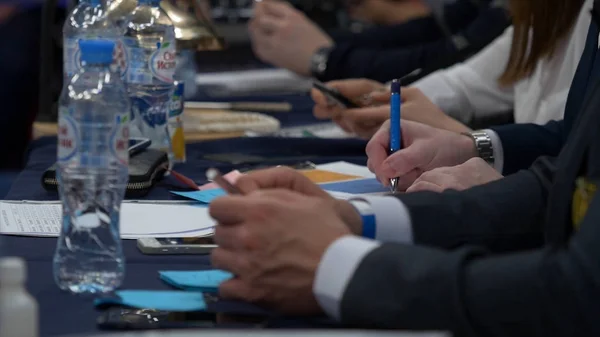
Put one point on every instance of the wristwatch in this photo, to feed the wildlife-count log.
(483, 144)
(318, 62)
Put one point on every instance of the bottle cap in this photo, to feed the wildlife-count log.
(97, 51)
(12, 270)
(396, 86)
(149, 2)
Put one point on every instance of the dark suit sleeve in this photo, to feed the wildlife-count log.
(542, 293)
(502, 216)
(350, 60)
(522, 144)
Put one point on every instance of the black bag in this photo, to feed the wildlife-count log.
(145, 169)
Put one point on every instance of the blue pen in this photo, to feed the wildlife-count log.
(395, 129)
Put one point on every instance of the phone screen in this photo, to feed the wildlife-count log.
(205, 240)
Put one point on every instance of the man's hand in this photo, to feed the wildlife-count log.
(461, 177)
(285, 37)
(273, 242)
(424, 148)
(418, 108)
(362, 122)
(288, 179)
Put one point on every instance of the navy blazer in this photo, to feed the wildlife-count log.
(385, 53)
(498, 260)
(523, 143)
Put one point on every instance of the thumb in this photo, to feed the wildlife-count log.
(413, 157)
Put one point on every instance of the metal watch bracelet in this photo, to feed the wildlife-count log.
(483, 145)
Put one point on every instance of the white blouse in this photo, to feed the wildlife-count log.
(471, 89)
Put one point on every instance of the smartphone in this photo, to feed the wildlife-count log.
(118, 318)
(334, 95)
(137, 145)
(176, 246)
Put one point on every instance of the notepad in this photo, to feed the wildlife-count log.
(203, 280)
(157, 300)
(360, 186)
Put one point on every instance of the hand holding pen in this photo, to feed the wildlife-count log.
(395, 128)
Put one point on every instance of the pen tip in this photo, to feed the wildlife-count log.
(394, 185)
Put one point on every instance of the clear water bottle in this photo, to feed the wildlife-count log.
(150, 41)
(93, 139)
(89, 21)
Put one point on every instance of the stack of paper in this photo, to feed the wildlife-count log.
(137, 219)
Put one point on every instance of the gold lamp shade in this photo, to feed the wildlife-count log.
(190, 32)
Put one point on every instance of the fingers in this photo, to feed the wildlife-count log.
(355, 88)
(267, 24)
(277, 178)
(221, 209)
(279, 9)
(436, 180)
(410, 93)
(236, 289)
(232, 261)
(422, 186)
(415, 156)
(378, 147)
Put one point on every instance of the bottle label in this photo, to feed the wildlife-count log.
(153, 112)
(67, 136)
(176, 104)
(159, 66)
(119, 139)
(72, 56)
(163, 62)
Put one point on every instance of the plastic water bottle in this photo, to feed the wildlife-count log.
(150, 43)
(89, 21)
(92, 172)
(18, 309)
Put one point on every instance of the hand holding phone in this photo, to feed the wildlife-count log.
(334, 95)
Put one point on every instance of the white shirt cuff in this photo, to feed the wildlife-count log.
(497, 150)
(392, 219)
(340, 261)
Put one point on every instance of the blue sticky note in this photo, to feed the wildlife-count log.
(202, 280)
(360, 186)
(158, 300)
(205, 197)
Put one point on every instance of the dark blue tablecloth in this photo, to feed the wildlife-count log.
(65, 314)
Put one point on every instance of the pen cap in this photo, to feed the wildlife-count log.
(396, 86)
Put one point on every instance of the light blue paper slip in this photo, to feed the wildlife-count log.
(202, 280)
(360, 186)
(205, 197)
(158, 300)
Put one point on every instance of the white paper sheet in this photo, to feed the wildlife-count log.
(137, 219)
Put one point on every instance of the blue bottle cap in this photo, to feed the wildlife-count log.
(396, 86)
(96, 51)
(149, 2)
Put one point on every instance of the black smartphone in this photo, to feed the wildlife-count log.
(334, 95)
(137, 145)
(118, 318)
